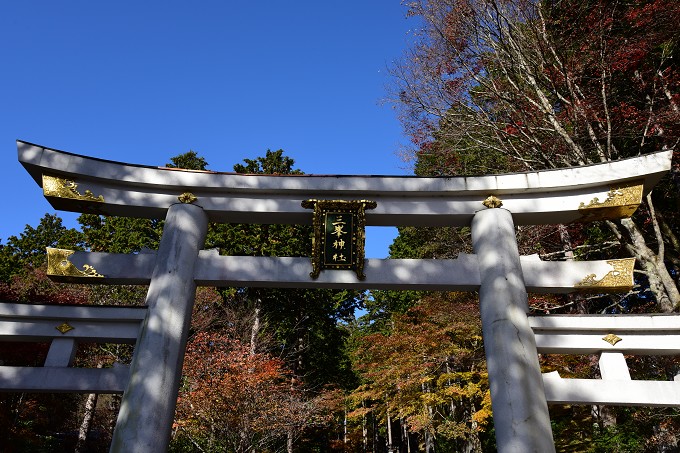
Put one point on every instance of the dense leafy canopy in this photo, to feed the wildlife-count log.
(495, 86)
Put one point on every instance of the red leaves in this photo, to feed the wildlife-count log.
(34, 286)
(512, 129)
(246, 399)
(629, 59)
(589, 81)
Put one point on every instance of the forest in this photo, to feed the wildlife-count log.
(486, 87)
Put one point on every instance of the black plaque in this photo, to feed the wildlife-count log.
(339, 235)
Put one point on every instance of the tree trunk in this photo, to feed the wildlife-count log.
(255, 329)
(389, 432)
(88, 416)
(661, 283)
(344, 429)
(575, 299)
(364, 432)
(473, 444)
(289, 441)
(405, 441)
(429, 441)
(565, 238)
(244, 442)
(375, 433)
(297, 371)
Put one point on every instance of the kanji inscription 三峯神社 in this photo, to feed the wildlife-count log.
(339, 236)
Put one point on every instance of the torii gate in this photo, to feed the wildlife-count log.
(188, 200)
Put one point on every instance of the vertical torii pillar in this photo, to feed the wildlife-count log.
(148, 406)
(520, 410)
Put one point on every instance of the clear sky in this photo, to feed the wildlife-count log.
(142, 81)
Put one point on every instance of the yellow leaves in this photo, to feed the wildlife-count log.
(433, 399)
(454, 430)
(483, 416)
(428, 371)
(359, 413)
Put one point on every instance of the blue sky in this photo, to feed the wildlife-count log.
(142, 81)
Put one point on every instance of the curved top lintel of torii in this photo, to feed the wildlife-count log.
(73, 182)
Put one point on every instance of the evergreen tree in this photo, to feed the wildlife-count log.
(28, 249)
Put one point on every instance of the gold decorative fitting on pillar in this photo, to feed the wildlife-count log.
(621, 202)
(619, 279)
(339, 234)
(612, 339)
(187, 197)
(64, 327)
(492, 202)
(66, 188)
(58, 265)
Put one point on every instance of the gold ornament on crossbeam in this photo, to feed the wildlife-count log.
(621, 202)
(612, 339)
(64, 327)
(66, 188)
(619, 279)
(492, 202)
(58, 265)
(187, 198)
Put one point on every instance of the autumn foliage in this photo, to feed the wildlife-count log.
(427, 372)
(233, 399)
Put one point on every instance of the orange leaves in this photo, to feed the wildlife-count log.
(248, 400)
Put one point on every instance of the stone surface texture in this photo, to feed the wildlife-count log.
(148, 405)
(518, 400)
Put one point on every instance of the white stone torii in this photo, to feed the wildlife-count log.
(189, 199)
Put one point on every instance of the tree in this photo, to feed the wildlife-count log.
(550, 84)
(234, 400)
(497, 86)
(428, 373)
(273, 163)
(28, 249)
(188, 161)
(120, 234)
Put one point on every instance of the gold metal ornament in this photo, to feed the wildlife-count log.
(187, 197)
(64, 327)
(621, 202)
(58, 265)
(339, 235)
(612, 339)
(619, 279)
(492, 202)
(66, 188)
